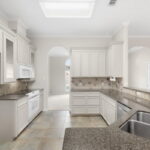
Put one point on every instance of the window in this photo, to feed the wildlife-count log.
(67, 8)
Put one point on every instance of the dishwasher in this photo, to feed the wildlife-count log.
(122, 110)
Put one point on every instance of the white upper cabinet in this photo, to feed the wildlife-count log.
(75, 64)
(9, 57)
(84, 63)
(102, 63)
(23, 51)
(88, 63)
(115, 61)
(94, 64)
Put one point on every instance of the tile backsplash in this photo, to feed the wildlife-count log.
(12, 87)
(96, 83)
(105, 83)
(139, 94)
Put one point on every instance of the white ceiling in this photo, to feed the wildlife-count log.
(104, 22)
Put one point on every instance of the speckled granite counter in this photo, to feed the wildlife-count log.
(110, 138)
(17, 95)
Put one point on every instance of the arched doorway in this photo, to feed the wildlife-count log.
(59, 78)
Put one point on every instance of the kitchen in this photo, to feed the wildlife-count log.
(106, 104)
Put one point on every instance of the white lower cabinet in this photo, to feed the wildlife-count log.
(108, 109)
(84, 103)
(22, 114)
(14, 117)
(93, 103)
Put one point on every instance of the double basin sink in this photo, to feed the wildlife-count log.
(138, 124)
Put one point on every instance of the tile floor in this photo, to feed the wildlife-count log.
(58, 102)
(47, 131)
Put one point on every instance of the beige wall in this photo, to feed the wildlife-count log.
(138, 67)
(139, 41)
(57, 75)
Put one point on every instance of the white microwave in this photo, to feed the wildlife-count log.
(25, 72)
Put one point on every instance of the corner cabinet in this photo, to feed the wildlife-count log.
(8, 58)
(93, 103)
(84, 103)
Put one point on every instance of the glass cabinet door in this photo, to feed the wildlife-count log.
(9, 58)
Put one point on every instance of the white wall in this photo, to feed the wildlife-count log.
(57, 75)
(139, 41)
(44, 45)
(138, 77)
(138, 68)
(122, 36)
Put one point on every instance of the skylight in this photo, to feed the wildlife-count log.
(67, 8)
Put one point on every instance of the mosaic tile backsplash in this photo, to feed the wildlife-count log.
(143, 95)
(96, 83)
(105, 83)
(11, 88)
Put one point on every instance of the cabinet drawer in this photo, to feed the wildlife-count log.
(93, 110)
(85, 110)
(79, 110)
(76, 100)
(85, 93)
(92, 101)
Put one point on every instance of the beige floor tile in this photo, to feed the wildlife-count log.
(39, 125)
(47, 131)
(55, 133)
(27, 144)
(32, 134)
(51, 144)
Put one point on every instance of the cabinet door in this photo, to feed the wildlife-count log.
(93, 110)
(84, 64)
(102, 64)
(93, 64)
(75, 66)
(23, 52)
(27, 54)
(109, 110)
(92, 100)
(111, 114)
(117, 61)
(22, 116)
(9, 55)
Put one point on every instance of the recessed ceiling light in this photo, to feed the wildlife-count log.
(67, 8)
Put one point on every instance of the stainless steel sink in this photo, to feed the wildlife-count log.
(142, 116)
(138, 124)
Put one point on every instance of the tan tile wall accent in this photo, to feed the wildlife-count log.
(95, 83)
(143, 95)
(12, 87)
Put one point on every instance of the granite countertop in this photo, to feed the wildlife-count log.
(17, 95)
(110, 138)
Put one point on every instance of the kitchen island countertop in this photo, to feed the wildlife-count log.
(112, 137)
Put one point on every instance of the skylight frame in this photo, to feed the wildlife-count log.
(78, 12)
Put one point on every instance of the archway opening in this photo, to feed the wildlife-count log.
(59, 78)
